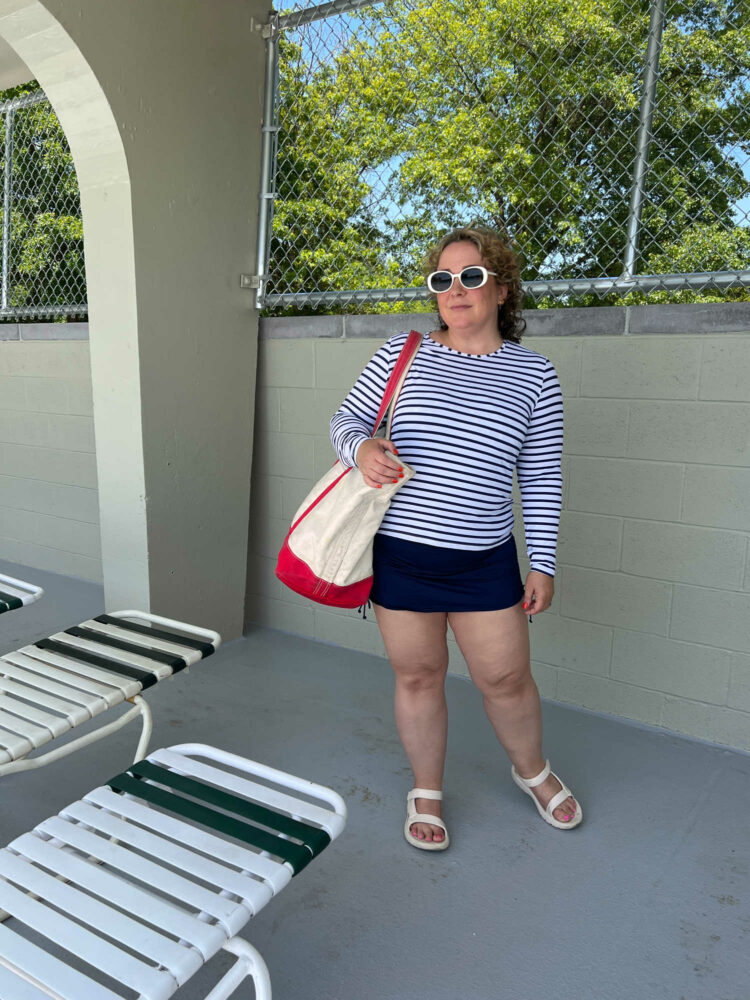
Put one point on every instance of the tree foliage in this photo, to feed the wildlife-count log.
(523, 115)
(46, 262)
(323, 235)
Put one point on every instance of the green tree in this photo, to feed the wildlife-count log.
(523, 115)
(46, 262)
(323, 236)
(717, 247)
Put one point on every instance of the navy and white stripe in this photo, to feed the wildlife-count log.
(464, 422)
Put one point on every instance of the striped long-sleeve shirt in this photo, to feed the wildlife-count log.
(464, 422)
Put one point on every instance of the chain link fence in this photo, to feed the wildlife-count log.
(608, 140)
(43, 275)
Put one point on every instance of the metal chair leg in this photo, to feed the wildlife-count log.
(140, 707)
(148, 726)
(249, 963)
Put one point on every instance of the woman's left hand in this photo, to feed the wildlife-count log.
(538, 592)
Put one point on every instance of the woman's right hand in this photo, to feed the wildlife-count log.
(376, 467)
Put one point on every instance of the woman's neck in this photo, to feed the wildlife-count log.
(470, 341)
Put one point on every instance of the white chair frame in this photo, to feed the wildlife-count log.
(26, 593)
(89, 704)
(167, 909)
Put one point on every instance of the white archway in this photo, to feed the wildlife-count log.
(89, 124)
(162, 106)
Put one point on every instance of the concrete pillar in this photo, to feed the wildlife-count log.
(162, 106)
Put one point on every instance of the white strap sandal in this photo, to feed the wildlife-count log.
(526, 784)
(412, 817)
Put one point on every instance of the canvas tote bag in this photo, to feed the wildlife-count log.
(327, 553)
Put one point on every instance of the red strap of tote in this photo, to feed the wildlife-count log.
(407, 352)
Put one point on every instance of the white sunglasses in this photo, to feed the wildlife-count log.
(470, 277)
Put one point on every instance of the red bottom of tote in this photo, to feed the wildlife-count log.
(298, 576)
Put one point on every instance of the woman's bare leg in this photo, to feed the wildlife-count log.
(495, 645)
(418, 651)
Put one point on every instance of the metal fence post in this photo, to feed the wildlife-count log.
(268, 157)
(7, 201)
(637, 192)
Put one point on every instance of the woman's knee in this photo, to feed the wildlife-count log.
(498, 681)
(417, 677)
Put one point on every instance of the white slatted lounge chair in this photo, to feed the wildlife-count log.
(16, 594)
(51, 686)
(141, 882)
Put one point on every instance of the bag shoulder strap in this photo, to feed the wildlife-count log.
(398, 376)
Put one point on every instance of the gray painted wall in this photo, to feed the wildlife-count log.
(49, 510)
(161, 104)
(651, 619)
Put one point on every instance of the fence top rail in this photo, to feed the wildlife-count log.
(296, 18)
(23, 101)
(572, 286)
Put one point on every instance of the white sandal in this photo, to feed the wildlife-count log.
(412, 817)
(526, 784)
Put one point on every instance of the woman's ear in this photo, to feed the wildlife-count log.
(502, 294)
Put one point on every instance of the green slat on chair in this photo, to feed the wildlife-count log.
(170, 659)
(146, 677)
(157, 633)
(297, 855)
(312, 836)
(12, 602)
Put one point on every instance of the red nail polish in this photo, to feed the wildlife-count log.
(380, 486)
(525, 605)
(395, 480)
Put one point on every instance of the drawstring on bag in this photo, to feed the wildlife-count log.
(362, 610)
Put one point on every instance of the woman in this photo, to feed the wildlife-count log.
(475, 405)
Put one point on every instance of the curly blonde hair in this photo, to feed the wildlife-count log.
(497, 257)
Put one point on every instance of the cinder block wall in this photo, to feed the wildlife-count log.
(49, 516)
(651, 618)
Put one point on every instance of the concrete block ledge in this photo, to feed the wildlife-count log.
(607, 321)
(44, 331)
(54, 331)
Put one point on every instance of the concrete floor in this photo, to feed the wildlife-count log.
(648, 899)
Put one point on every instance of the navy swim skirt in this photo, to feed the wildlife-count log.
(410, 576)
